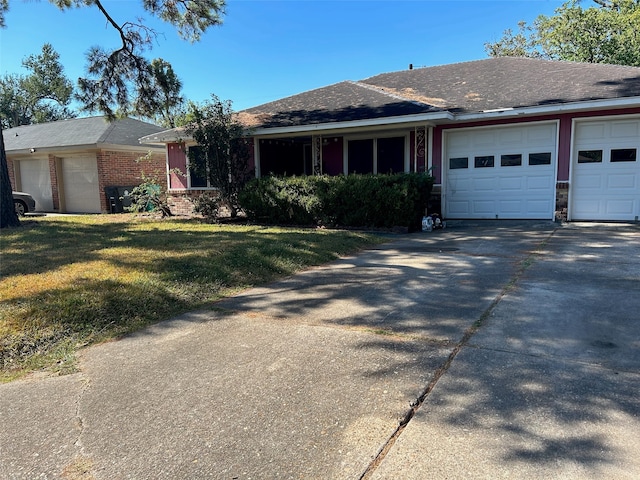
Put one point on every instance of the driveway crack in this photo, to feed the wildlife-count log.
(524, 264)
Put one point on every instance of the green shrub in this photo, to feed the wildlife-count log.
(148, 196)
(372, 201)
(207, 205)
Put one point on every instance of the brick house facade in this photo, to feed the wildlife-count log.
(71, 165)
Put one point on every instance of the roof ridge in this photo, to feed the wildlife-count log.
(396, 96)
(111, 125)
(503, 59)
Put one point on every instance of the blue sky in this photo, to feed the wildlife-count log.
(269, 49)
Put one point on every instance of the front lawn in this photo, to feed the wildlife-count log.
(71, 281)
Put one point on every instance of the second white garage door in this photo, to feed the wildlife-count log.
(606, 170)
(80, 180)
(506, 172)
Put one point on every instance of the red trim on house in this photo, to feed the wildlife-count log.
(564, 136)
(332, 153)
(177, 159)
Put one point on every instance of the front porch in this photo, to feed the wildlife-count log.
(340, 154)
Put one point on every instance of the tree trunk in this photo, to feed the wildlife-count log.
(8, 216)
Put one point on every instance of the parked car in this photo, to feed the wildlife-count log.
(23, 203)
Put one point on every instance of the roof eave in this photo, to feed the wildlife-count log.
(570, 107)
(164, 137)
(332, 127)
(432, 118)
(88, 147)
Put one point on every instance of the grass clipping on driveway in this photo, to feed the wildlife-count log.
(68, 282)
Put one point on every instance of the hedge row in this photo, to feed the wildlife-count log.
(372, 201)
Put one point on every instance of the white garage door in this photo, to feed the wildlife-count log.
(80, 181)
(606, 170)
(506, 172)
(36, 180)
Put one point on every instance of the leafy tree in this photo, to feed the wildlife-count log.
(606, 32)
(223, 151)
(116, 79)
(521, 44)
(164, 101)
(43, 95)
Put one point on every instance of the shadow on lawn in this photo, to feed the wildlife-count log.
(173, 270)
(39, 247)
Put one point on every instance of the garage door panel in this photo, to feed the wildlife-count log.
(35, 179)
(484, 139)
(591, 132)
(511, 207)
(587, 209)
(81, 189)
(606, 190)
(541, 135)
(459, 208)
(501, 191)
(619, 207)
(461, 185)
(621, 181)
(540, 207)
(540, 182)
(484, 207)
(590, 181)
(460, 142)
(511, 136)
(510, 183)
(484, 184)
(621, 130)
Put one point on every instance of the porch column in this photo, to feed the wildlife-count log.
(256, 157)
(419, 150)
(316, 141)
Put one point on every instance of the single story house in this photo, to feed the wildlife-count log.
(81, 165)
(505, 138)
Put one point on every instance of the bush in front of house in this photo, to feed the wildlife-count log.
(206, 205)
(365, 201)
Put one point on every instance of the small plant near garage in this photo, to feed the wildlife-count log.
(149, 197)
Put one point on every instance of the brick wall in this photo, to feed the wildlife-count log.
(562, 201)
(180, 203)
(12, 176)
(117, 168)
(53, 175)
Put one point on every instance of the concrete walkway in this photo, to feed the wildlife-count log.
(496, 350)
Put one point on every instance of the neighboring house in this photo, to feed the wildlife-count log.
(71, 165)
(504, 137)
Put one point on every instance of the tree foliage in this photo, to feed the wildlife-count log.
(165, 100)
(122, 77)
(119, 78)
(44, 95)
(606, 32)
(223, 151)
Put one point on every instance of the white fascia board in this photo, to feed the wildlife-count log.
(550, 109)
(374, 123)
(166, 136)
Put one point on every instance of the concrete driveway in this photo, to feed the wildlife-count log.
(497, 350)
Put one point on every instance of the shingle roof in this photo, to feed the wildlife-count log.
(510, 82)
(468, 87)
(344, 101)
(489, 84)
(89, 131)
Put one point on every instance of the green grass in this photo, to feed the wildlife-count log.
(69, 282)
